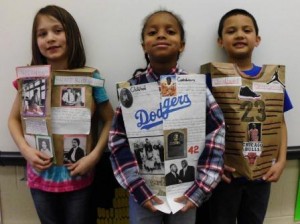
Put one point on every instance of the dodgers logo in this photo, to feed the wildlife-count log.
(147, 120)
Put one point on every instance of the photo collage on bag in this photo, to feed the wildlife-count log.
(34, 83)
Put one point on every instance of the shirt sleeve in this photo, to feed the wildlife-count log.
(210, 163)
(123, 161)
(15, 84)
(208, 81)
(287, 102)
(99, 93)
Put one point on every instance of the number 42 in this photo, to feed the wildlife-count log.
(193, 149)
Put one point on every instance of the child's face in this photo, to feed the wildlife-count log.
(239, 37)
(51, 40)
(162, 40)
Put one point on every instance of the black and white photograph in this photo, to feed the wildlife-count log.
(34, 97)
(172, 173)
(44, 145)
(74, 148)
(126, 97)
(73, 97)
(149, 153)
(186, 172)
(176, 144)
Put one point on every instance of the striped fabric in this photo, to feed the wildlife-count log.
(210, 163)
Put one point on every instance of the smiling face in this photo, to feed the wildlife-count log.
(51, 40)
(162, 39)
(239, 37)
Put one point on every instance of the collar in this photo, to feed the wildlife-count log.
(174, 71)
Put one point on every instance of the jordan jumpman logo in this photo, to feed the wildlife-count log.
(276, 78)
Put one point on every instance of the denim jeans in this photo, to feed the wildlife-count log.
(62, 208)
(141, 215)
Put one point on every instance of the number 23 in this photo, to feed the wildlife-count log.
(248, 105)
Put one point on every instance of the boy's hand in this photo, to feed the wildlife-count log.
(38, 160)
(227, 175)
(82, 166)
(188, 204)
(274, 172)
(149, 204)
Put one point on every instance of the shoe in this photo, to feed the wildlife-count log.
(247, 93)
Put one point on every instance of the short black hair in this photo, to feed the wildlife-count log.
(173, 164)
(77, 140)
(235, 12)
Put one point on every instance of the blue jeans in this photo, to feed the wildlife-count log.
(241, 202)
(141, 215)
(62, 208)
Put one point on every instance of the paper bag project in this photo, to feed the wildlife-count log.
(253, 111)
(166, 132)
(57, 109)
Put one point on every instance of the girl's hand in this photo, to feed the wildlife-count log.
(188, 204)
(274, 172)
(35, 158)
(227, 175)
(149, 204)
(38, 160)
(82, 166)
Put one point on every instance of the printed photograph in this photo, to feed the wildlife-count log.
(126, 98)
(176, 144)
(73, 97)
(168, 85)
(149, 153)
(44, 145)
(172, 173)
(186, 172)
(254, 132)
(34, 97)
(74, 148)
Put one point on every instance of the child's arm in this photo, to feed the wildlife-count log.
(228, 170)
(35, 158)
(87, 163)
(210, 163)
(275, 171)
(124, 164)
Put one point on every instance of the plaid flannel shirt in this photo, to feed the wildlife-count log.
(210, 162)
